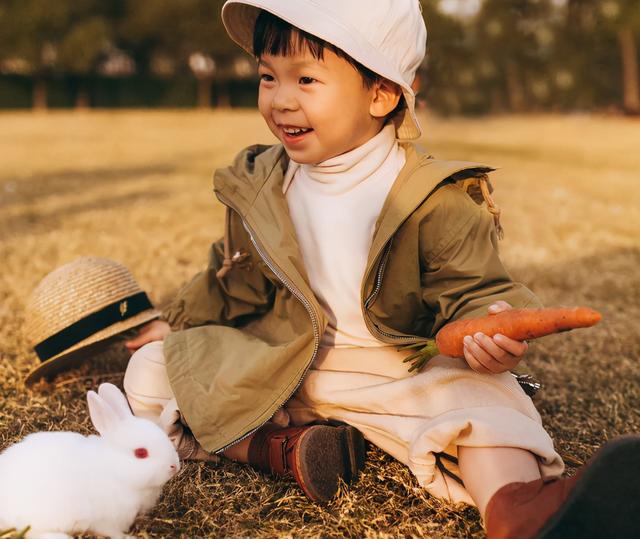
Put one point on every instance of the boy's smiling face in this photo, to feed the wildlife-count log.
(324, 97)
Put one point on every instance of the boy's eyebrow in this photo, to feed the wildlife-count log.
(301, 63)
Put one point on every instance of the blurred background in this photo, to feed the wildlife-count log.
(115, 113)
(483, 56)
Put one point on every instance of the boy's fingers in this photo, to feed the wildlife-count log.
(136, 342)
(143, 337)
(504, 357)
(498, 307)
(132, 344)
(484, 342)
(517, 348)
(474, 363)
(482, 358)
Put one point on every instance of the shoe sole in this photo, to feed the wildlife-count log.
(327, 454)
(605, 501)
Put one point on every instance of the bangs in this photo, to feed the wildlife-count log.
(276, 37)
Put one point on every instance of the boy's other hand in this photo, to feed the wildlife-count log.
(156, 330)
(493, 355)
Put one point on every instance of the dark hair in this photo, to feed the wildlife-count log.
(274, 36)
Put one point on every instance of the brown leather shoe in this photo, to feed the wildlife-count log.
(316, 456)
(602, 500)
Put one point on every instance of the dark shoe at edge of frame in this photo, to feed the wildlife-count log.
(602, 500)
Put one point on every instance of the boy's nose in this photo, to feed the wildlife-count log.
(283, 99)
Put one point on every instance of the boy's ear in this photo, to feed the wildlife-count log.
(386, 96)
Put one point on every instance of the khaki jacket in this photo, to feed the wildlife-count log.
(244, 339)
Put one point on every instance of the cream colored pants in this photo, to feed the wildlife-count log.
(150, 396)
(419, 419)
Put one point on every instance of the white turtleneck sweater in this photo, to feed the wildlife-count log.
(334, 206)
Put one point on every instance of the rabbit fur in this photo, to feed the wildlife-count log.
(61, 483)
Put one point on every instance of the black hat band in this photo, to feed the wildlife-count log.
(78, 331)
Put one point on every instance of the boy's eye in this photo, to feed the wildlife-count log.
(306, 80)
(266, 78)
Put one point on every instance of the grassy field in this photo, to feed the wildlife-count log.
(136, 187)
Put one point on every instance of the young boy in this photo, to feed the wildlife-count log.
(342, 242)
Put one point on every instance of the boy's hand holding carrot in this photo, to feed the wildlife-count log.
(496, 343)
(493, 355)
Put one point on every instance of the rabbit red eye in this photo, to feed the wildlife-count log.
(141, 453)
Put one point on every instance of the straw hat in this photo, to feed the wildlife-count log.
(79, 306)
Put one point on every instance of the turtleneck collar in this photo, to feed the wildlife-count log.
(342, 173)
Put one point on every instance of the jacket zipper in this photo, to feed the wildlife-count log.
(378, 284)
(299, 295)
(383, 263)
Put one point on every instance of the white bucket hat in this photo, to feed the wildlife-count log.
(387, 36)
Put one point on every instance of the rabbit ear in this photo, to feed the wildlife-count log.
(114, 398)
(103, 417)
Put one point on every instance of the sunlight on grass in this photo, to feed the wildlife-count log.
(136, 186)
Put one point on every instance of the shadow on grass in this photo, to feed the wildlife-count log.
(38, 222)
(37, 186)
(609, 278)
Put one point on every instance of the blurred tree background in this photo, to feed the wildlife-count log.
(483, 56)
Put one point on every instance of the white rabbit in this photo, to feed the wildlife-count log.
(62, 483)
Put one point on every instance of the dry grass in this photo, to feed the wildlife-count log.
(136, 187)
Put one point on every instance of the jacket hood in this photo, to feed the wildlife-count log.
(245, 178)
(255, 165)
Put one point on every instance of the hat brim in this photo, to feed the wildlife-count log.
(239, 18)
(78, 353)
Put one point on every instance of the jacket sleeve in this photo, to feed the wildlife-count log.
(462, 273)
(242, 293)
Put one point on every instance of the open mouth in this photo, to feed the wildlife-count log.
(294, 134)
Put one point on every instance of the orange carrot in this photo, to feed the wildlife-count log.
(517, 324)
